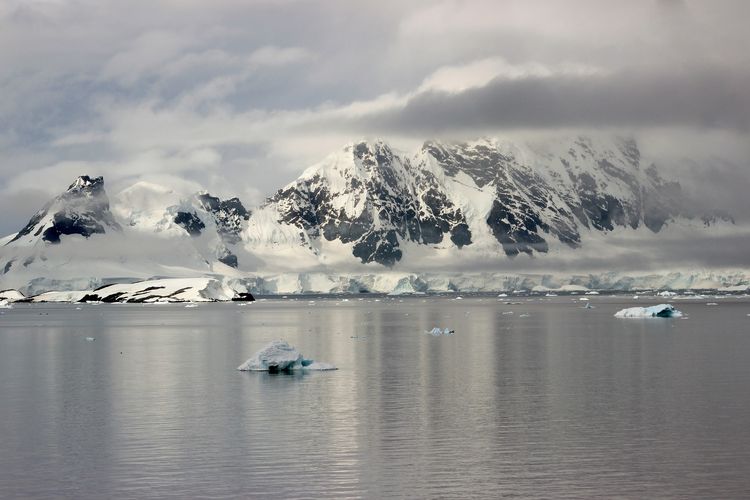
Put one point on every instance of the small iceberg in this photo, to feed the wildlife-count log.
(658, 311)
(190, 305)
(90, 339)
(441, 331)
(4, 304)
(278, 357)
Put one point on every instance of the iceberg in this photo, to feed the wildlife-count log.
(4, 304)
(441, 331)
(657, 311)
(279, 356)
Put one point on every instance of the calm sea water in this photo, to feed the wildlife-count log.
(563, 403)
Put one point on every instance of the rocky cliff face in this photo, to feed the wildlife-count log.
(227, 217)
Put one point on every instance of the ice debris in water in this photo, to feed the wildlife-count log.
(279, 356)
(441, 331)
(658, 311)
(90, 339)
(4, 304)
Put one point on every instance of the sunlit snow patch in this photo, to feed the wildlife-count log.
(279, 356)
(658, 311)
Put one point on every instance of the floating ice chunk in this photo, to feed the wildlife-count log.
(711, 304)
(279, 356)
(90, 339)
(438, 331)
(666, 293)
(583, 299)
(191, 305)
(658, 311)
(592, 292)
(4, 304)
(524, 315)
(588, 306)
(502, 295)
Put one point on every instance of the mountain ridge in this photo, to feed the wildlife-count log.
(367, 204)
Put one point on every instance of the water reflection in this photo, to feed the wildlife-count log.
(552, 399)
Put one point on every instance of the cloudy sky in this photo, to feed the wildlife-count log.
(241, 96)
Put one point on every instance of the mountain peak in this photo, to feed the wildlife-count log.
(86, 183)
(82, 209)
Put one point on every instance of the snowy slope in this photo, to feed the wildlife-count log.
(149, 291)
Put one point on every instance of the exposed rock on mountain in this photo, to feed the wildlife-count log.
(82, 209)
(523, 195)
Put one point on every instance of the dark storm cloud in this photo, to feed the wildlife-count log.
(707, 97)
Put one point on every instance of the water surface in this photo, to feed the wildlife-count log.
(564, 402)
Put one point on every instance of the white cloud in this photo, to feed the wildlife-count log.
(144, 56)
(278, 56)
(458, 78)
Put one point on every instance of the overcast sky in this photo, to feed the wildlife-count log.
(241, 96)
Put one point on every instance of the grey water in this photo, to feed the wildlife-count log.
(552, 401)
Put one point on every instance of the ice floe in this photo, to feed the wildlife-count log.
(440, 331)
(279, 356)
(657, 311)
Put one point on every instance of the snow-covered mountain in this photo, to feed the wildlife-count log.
(77, 241)
(484, 198)
(366, 209)
(82, 209)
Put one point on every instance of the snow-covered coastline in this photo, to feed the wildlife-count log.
(226, 288)
(148, 291)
